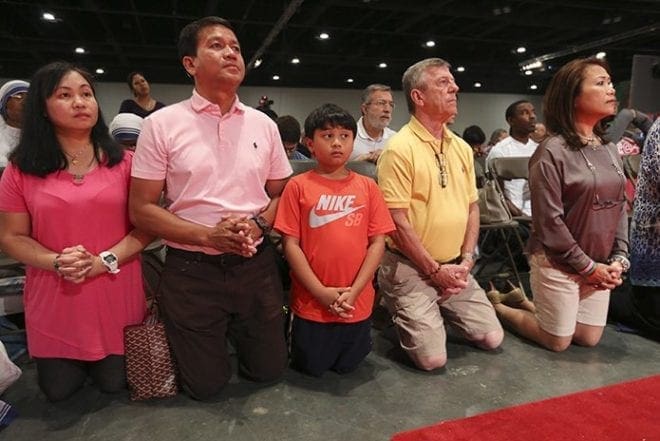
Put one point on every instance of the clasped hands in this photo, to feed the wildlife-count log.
(606, 276)
(339, 301)
(235, 234)
(75, 264)
(450, 279)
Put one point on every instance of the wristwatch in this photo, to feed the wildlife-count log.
(262, 223)
(623, 260)
(110, 261)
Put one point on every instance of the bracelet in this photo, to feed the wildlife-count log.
(435, 271)
(56, 264)
(467, 256)
(589, 269)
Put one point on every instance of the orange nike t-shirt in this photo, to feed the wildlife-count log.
(333, 220)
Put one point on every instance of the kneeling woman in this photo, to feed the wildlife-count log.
(63, 212)
(579, 243)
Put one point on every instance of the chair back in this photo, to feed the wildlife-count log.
(365, 168)
(299, 166)
(507, 168)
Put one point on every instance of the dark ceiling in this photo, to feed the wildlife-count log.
(124, 35)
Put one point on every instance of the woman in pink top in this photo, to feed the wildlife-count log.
(63, 212)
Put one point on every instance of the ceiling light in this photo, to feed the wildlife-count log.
(80, 50)
(258, 62)
(382, 65)
(521, 50)
(533, 65)
(100, 71)
(276, 77)
(460, 69)
(324, 36)
(430, 43)
(48, 16)
(533, 87)
(528, 72)
(295, 60)
(601, 55)
(477, 84)
(349, 80)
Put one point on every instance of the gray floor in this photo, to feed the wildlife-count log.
(384, 396)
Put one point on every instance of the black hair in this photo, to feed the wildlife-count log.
(39, 152)
(511, 110)
(129, 78)
(329, 115)
(473, 135)
(189, 35)
(289, 128)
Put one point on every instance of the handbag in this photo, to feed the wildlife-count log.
(492, 205)
(150, 368)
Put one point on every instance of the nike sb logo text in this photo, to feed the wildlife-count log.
(334, 207)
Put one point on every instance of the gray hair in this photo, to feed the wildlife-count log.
(370, 89)
(412, 77)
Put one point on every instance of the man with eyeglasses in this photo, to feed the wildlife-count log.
(12, 95)
(426, 173)
(372, 128)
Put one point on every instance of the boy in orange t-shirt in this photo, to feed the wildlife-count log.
(333, 223)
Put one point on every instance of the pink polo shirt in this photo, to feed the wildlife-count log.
(213, 164)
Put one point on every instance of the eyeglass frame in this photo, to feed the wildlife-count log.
(382, 103)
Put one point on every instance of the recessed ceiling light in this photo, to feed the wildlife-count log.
(100, 71)
(295, 60)
(521, 50)
(460, 69)
(477, 84)
(258, 62)
(48, 16)
(601, 55)
(533, 87)
(528, 72)
(349, 80)
(324, 36)
(276, 77)
(80, 50)
(430, 43)
(533, 65)
(382, 65)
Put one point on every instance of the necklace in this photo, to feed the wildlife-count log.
(598, 204)
(592, 141)
(75, 157)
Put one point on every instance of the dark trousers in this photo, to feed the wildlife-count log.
(59, 378)
(206, 299)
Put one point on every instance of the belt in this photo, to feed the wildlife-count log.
(225, 260)
(454, 261)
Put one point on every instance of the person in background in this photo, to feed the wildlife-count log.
(222, 167)
(476, 138)
(264, 106)
(372, 127)
(625, 119)
(64, 214)
(125, 128)
(289, 129)
(521, 117)
(143, 104)
(579, 243)
(427, 177)
(639, 308)
(333, 249)
(12, 99)
(495, 137)
(539, 134)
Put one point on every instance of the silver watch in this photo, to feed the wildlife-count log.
(110, 261)
(623, 260)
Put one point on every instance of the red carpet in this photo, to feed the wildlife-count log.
(623, 412)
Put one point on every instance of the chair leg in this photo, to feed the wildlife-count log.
(512, 260)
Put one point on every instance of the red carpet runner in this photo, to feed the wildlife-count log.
(623, 412)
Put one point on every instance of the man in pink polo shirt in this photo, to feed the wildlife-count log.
(222, 167)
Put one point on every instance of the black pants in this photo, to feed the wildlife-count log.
(637, 307)
(206, 299)
(59, 378)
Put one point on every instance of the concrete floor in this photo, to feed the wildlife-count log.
(384, 396)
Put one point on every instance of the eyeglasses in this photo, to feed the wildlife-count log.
(443, 177)
(382, 103)
(603, 205)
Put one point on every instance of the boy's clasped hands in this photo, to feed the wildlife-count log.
(339, 301)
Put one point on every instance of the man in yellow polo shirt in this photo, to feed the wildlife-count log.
(426, 174)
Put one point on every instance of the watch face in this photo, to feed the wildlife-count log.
(110, 259)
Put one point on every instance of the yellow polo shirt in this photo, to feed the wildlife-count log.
(409, 176)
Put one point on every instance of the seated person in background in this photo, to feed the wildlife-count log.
(333, 223)
(372, 131)
(495, 137)
(539, 133)
(522, 120)
(12, 98)
(125, 128)
(476, 138)
(264, 106)
(143, 104)
(289, 129)
(628, 130)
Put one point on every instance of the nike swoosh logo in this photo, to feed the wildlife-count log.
(316, 220)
